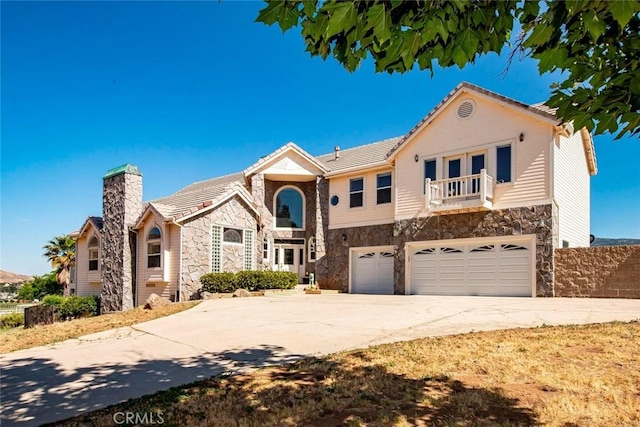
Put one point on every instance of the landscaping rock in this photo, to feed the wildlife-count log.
(241, 293)
(154, 301)
(209, 295)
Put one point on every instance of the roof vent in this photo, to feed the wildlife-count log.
(336, 152)
(466, 109)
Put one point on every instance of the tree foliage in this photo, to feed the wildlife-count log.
(594, 43)
(61, 253)
(39, 287)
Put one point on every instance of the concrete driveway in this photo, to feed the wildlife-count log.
(55, 382)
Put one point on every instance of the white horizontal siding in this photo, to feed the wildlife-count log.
(87, 282)
(571, 190)
(155, 280)
(371, 213)
(490, 126)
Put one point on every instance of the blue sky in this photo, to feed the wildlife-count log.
(189, 91)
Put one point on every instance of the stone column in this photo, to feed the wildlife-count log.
(121, 206)
(321, 232)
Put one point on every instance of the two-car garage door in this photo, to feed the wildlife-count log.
(472, 267)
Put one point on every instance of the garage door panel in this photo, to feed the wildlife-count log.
(502, 268)
(372, 272)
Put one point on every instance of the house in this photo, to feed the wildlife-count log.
(472, 201)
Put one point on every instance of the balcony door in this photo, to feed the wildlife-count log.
(453, 170)
(477, 163)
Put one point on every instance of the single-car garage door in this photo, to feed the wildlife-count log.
(473, 267)
(372, 270)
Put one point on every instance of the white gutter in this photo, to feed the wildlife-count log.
(352, 169)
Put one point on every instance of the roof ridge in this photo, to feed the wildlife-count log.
(182, 190)
(361, 146)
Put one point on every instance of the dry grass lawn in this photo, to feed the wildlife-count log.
(557, 376)
(21, 338)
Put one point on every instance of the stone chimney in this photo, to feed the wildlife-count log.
(336, 152)
(121, 206)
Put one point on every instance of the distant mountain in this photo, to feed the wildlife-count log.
(8, 277)
(603, 241)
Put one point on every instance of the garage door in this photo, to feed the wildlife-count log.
(472, 267)
(372, 271)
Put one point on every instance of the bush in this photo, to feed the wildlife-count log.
(39, 287)
(12, 320)
(53, 300)
(75, 306)
(218, 282)
(250, 280)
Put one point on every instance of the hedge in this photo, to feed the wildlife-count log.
(251, 280)
(11, 320)
(74, 306)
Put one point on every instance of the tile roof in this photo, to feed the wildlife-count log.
(352, 158)
(97, 221)
(189, 198)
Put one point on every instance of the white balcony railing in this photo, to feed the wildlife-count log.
(477, 187)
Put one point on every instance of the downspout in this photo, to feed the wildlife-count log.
(173, 221)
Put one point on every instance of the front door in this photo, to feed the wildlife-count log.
(289, 258)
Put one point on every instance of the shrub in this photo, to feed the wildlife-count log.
(251, 280)
(39, 287)
(218, 282)
(75, 306)
(11, 320)
(53, 300)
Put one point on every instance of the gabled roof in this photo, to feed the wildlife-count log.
(280, 152)
(95, 221)
(364, 156)
(540, 110)
(197, 197)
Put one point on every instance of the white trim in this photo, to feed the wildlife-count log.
(352, 224)
(271, 158)
(275, 212)
(370, 167)
(354, 249)
(309, 242)
(266, 239)
(528, 238)
(140, 222)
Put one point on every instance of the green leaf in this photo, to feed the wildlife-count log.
(270, 14)
(342, 18)
(460, 57)
(623, 11)
(378, 18)
(468, 40)
(594, 25)
(539, 36)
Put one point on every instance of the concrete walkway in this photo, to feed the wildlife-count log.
(55, 382)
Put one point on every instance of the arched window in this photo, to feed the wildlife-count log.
(311, 250)
(289, 208)
(94, 253)
(154, 248)
(231, 235)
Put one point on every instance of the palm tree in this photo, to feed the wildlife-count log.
(61, 253)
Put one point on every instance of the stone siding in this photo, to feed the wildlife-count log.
(196, 242)
(601, 271)
(121, 206)
(536, 220)
(263, 191)
(232, 257)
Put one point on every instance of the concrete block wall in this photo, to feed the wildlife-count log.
(599, 272)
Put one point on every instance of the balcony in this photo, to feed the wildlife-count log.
(463, 194)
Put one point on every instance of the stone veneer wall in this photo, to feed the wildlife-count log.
(263, 191)
(601, 271)
(196, 242)
(121, 206)
(505, 222)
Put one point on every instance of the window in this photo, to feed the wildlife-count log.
(94, 254)
(216, 249)
(383, 188)
(289, 208)
(248, 249)
(312, 249)
(356, 192)
(265, 248)
(429, 170)
(503, 164)
(154, 248)
(231, 235)
(335, 200)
